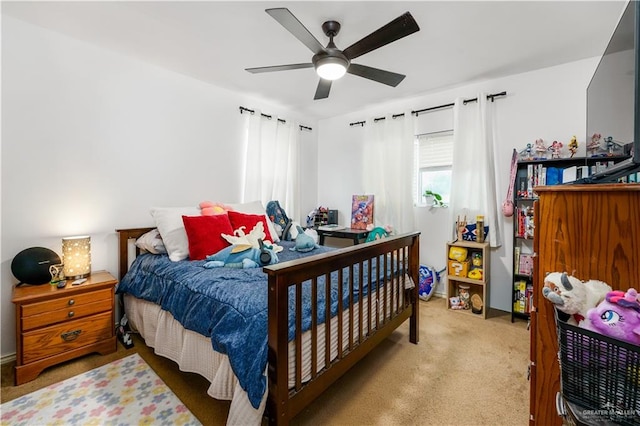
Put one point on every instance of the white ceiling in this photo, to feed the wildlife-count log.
(458, 42)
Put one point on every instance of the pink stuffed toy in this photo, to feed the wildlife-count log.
(209, 208)
(617, 316)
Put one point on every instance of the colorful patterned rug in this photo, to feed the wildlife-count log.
(124, 392)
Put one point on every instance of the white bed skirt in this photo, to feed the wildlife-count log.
(194, 353)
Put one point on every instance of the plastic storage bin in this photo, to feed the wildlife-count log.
(600, 376)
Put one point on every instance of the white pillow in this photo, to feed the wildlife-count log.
(171, 227)
(256, 207)
(151, 242)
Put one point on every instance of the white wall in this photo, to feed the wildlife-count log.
(91, 139)
(548, 104)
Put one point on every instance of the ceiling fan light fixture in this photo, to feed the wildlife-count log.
(331, 67)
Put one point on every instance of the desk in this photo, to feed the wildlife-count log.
(356, 235)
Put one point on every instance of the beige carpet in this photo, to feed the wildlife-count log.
(465, 371)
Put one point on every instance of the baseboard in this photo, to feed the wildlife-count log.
(6, 359)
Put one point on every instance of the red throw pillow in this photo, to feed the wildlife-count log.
(248, 221)
(203, 233)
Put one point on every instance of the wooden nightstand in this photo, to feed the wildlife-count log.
(55, 325)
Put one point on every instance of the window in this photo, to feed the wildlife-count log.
(434, 158)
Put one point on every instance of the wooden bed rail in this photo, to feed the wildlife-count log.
(396, 260)
(389, 254)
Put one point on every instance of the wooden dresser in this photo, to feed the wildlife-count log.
(55, 325)
(592, 232)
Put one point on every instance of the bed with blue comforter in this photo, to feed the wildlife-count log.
(231, 306)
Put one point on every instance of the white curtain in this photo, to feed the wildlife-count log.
(271, 166)
(388, 168)
(473, 179)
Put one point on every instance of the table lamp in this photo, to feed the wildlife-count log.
(76, 253)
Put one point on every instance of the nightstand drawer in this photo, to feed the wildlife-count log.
(67, 313)
(74, 334)
(72, 300)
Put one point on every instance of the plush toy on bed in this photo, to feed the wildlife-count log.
(304, 242)
(242, 257)
(209, 208)
(572, 296)
(618, 316)
(252, 239)
(377, 233)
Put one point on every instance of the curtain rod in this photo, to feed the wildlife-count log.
(269, 117)
(416, 113)
(464, 102)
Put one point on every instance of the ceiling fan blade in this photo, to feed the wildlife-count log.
(295, 27)
(322, 91)
(400, 27)
(381, 76)
(278, 68)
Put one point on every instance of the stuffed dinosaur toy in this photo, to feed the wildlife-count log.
(618, 316)
(304, 242)
(572, 296)
(242, 257)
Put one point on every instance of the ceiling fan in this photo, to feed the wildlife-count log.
(332, 63)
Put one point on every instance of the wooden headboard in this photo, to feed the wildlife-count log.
(123, 252)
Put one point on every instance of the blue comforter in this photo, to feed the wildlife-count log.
(229, 305)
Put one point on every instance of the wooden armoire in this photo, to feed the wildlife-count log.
(592, 232)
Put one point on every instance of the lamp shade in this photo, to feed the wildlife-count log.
(76, 254)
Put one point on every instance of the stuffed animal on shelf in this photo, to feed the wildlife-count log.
(242, 257)
(618, 316)
(456, 303)
(572, 296)
(304, 242)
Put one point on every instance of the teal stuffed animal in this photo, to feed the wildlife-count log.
(242, 257)
(304, 242)
(377, 234)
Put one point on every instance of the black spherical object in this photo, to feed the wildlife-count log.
(31, 266)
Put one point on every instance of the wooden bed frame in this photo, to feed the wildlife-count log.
(284, 403)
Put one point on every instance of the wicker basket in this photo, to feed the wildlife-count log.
(599, 374)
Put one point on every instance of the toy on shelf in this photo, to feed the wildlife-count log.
(461, 225)
(613, 147)
(476, 266)
(458, 253)
(594, 146)
(540, 149)
(456, 303)
(555, 149)
(464, 295)
(573, 146)
(527, 153)
(458, 261)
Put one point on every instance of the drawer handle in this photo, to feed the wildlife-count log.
(71, 314)
(72, 302)
(70, 336)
